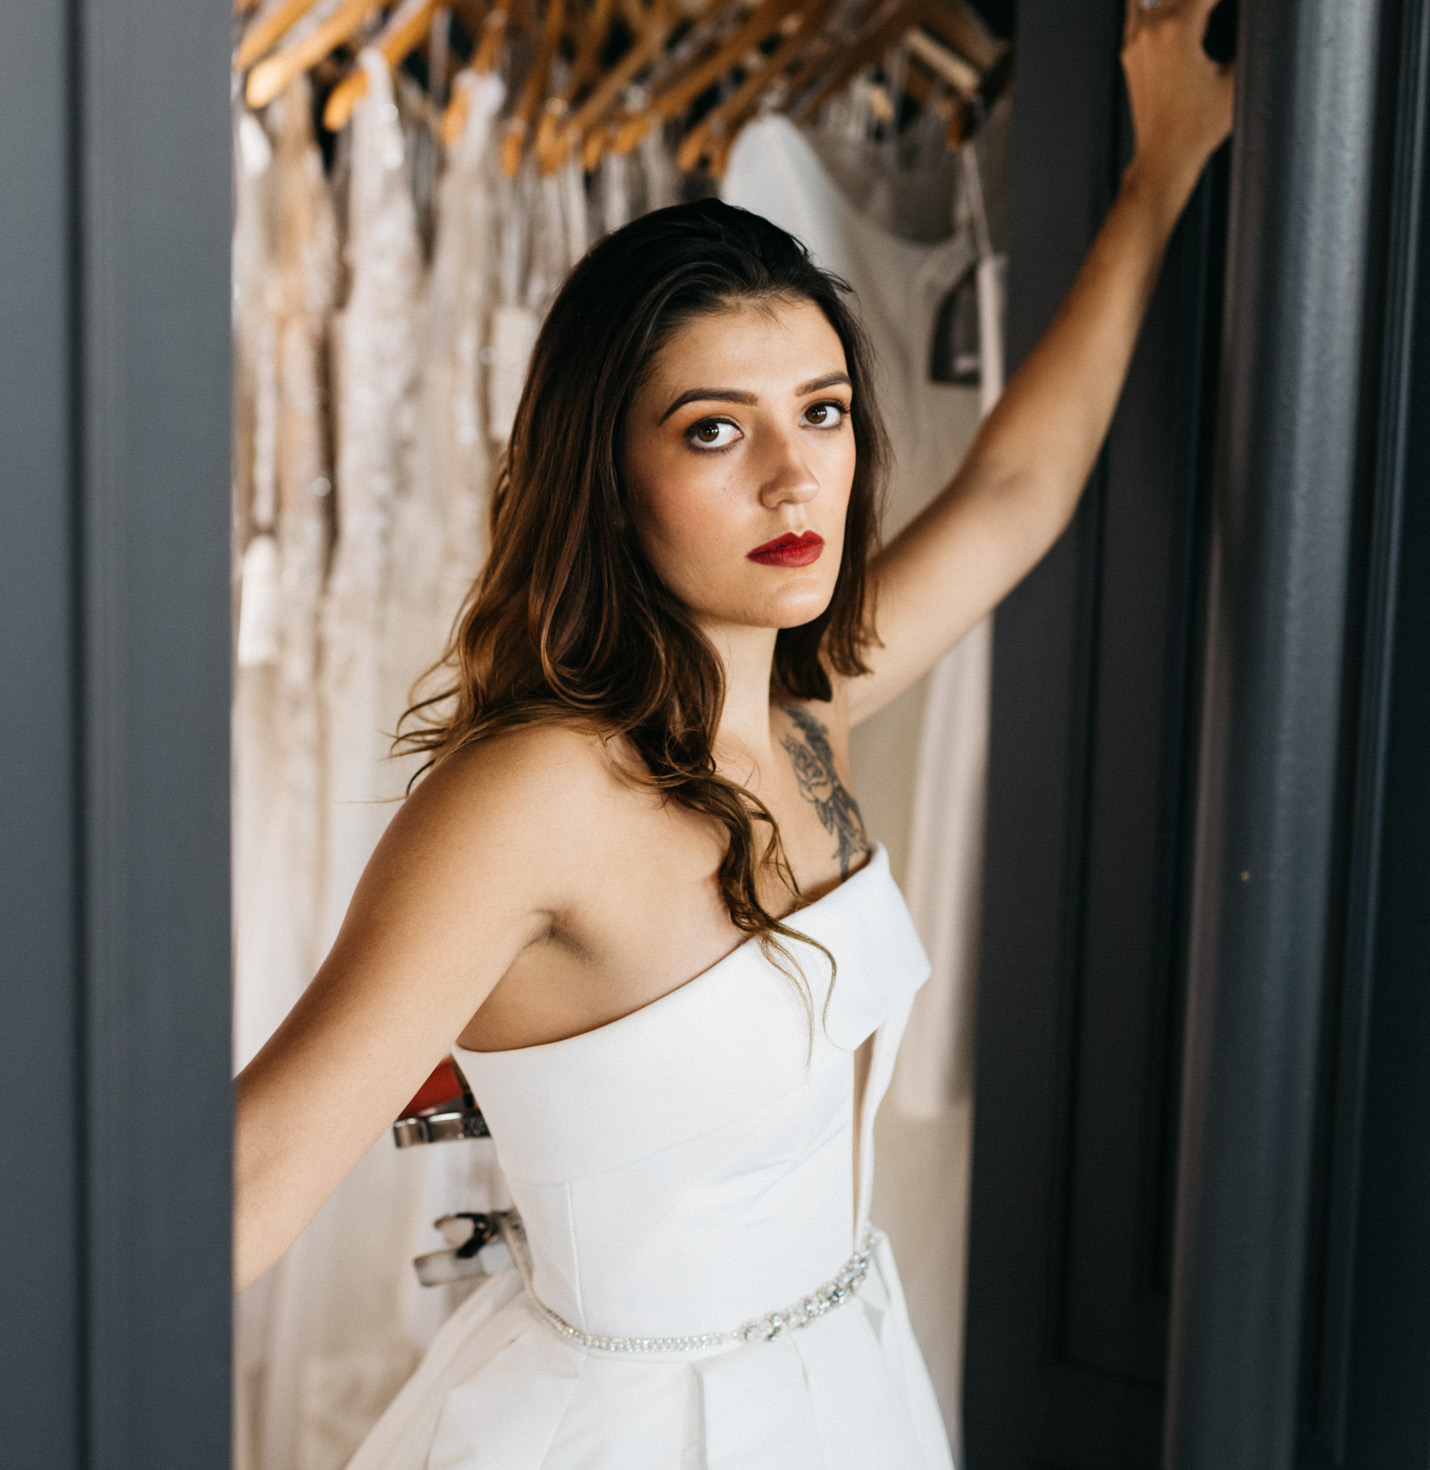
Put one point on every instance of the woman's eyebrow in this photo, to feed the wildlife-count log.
(708, 395)
(736, 395)
(829, 380)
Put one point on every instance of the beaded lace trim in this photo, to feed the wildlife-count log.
(833, 1293)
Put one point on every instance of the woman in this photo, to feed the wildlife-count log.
(640, 776)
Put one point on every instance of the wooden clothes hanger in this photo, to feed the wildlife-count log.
(518, 125)
(484, 61)
(407, 27)
(272, 75)
(841, 31)
(265, 30)
(951, 21)
(553, 134)
(764, 21)
(661, 22)
(718, 127)
(962, 76)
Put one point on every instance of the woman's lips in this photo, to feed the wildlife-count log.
(789, 550)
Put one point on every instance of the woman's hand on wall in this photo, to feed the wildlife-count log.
(1181, 98)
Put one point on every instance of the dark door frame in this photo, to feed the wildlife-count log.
(1092, 767)
(114, 658)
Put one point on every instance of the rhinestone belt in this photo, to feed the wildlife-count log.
(833, 1293)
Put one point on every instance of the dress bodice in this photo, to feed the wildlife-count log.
(690, 1165)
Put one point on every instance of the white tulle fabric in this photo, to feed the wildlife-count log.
(678, 1171)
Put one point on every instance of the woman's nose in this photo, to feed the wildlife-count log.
(789, 478)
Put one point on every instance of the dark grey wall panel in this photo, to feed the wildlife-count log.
(39, 1058)
(155, 200)
(114, 656)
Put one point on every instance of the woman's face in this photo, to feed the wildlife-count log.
(739, 455)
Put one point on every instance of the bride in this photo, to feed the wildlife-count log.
(638, 774)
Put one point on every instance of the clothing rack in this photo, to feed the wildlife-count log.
(587, 78)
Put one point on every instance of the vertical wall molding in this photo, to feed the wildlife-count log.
(1288, 458)
(41, 1277)
(155, 347)
(1092, 767)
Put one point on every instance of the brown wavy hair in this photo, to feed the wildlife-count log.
(568, 622)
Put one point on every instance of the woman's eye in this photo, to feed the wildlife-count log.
(827, 415)
(712, 433)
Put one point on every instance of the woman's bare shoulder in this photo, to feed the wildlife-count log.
(495, 847)
(537, 773)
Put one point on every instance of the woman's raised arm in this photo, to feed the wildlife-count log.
(480, 862)
(1021, 480)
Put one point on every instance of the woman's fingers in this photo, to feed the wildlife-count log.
(1181, 99)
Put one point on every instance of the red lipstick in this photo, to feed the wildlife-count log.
(789, 550)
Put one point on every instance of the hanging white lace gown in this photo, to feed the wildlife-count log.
(255, 751)
(277, 730)
(459, 298)
(255, 748)
(337, 1344)
(950, 787)
(682, 1172)
(376, 370)
(278, 910)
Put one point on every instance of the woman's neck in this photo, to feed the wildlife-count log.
(748, 656)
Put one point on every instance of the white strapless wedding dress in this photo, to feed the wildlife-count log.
(682, 1171)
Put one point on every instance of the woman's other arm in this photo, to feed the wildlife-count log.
(477, 864)
(1022, 478)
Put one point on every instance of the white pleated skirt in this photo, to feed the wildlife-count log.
(499, 1390)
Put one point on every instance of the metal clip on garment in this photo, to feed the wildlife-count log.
(445, 1111)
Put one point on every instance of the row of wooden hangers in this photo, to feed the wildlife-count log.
(631, 65)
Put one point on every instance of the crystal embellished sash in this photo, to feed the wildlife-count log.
(824, 1298)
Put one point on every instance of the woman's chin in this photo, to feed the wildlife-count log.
(791, 609)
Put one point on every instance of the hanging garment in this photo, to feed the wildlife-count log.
(337, 1347)
(514, 321)
(452, 454)
(660, 178)
(255, 756)
(900, 286)
(951, 780)
(276, 912)
(377, 378)
(277, 918)
(615, 191)
(682, 1171)
(543, 230)
(904, 181)
(254, 510)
